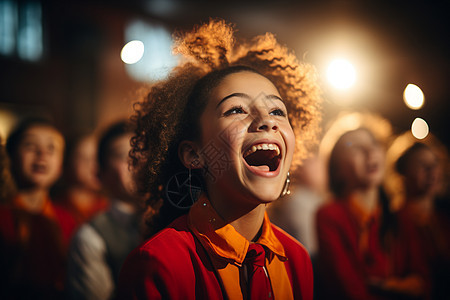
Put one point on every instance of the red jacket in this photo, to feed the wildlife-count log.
(345, 270)
(33, 250)
(174, 264)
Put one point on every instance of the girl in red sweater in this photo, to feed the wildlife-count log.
(222, 127)
(363, 252)
(34, 231)
(422, 172)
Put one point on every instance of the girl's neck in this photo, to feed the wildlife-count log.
(246, 220)
(81, 194)
(367, 199)
(33, 200)
(424, 198)
(420, 207)
(249, 225)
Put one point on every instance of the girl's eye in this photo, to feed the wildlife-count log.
(51, 148)
(234, 111)
(29, 146)
(278, 112)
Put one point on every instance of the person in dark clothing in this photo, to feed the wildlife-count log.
(101, 245)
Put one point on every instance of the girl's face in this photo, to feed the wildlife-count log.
(40, 156)
(360, 160)
(84, 164)
(247, 142)
(117, 177)
(423, 175)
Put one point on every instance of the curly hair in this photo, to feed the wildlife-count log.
(170, 110)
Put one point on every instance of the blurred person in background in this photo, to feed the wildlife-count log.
(34, 232)
(363, 252)
(101, 245)
(81, 193)
(296, 212)
(422, 176)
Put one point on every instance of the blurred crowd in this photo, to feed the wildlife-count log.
(371, 208)
(69, 213)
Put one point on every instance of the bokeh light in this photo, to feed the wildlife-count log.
(157, 60)
(413, 96)
(341, 74)
(7, 121)
(132, 52)
(419, 128)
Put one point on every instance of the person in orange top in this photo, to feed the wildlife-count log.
(363, 252)
(221, 132)
(34, 233)
(81, 189)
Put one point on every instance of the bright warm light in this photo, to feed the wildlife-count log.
(413, 96)
(132, 52)
(341, 74)
(419, 128)
(7, 121)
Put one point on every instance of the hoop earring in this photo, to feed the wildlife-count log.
(183, 189)
(286, 190)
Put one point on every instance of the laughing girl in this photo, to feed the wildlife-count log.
(237, 118)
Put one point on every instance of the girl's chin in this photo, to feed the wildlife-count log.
(265, 189)
(264, 194)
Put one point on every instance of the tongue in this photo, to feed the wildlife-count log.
(264, 168)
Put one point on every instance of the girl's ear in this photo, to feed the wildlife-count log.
(187, 152)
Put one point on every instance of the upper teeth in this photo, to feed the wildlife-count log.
(255, 148)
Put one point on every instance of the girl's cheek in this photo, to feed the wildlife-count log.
(288, 132)
(26, 159)
(232, 134)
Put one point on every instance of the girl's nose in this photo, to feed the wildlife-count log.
(40, 151)
(43, 152)
(265, 123)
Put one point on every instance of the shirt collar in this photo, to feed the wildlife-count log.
(362, 216)
(46, 210)
(222, 239)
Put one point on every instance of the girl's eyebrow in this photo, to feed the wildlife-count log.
(274, 97)
(243, 95)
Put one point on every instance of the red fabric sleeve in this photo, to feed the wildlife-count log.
(7, 228)
(171, 265)
(339, 268)
(67, 224)
(160, 270)
(410, 252)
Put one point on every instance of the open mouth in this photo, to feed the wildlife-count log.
(372, 168)
(263, 157)
(39, 168)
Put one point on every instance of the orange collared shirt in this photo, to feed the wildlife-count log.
(23, 227)
(365, 220)
(227, 250)
(62, 219)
